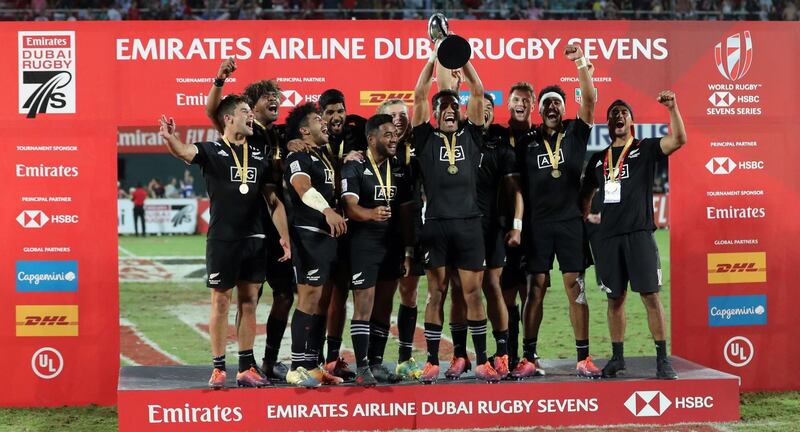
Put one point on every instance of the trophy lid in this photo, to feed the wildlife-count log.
(437, 26)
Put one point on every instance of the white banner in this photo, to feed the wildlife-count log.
(162, 216)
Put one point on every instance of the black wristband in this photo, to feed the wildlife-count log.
(219, 82)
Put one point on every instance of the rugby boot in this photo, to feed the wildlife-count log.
(539, 369)
(613, 367)
(524, 369)
(430, 373)
(408, 369)
(586, 369)
(275, 371)
(501, 366)
(324, 376)
(364, 377)
(300, 378)
(341, 369)
(458, 365)
(252, 377)
(664, 369)
(487, 373)
(217, 380)
(384, 375)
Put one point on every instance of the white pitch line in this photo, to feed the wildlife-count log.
(128, 360)
(148, 341)
(125, 251)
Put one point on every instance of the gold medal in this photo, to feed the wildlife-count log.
(556, 173)
(451, 153)
(554, 155)
(241, 168)
(452, 169)
(243, 189)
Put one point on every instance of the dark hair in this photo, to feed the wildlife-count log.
(523, 86)
(552, 88)
(489, 97)
(227, 106)
(375, 122)
(619, 102)
(330, 97)
(298, 118)
(443, 93)
(259, 89)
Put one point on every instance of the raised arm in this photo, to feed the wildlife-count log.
(475, 104)
(215, 94)
(182, 151)
(677, 138)
(422, 108)
(585, 70)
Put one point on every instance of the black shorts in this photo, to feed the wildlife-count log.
(374, 255)
(514, 273)
(279, 275)
(565, 240)
(631, 257)
(494, 244)
(417, 262)
(228, 262)
(313, 256)
(453, 242)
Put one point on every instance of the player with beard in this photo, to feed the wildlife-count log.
(264, 98)
(377, 201)
(449, 156)
(315, 224)
(407, 367)
(497, 176)
(239, 182)
(626, 249)
(552, 166)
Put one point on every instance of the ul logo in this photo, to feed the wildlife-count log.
(47, 363)
(739, 351)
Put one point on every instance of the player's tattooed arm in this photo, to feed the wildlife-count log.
(422, 109)
(677, 138)
(585, 72)
(177, 148)
(475, 104)
(215, 94)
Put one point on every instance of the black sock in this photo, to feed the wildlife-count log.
(529, 349)
(406, 325)
(617, 351)
(582, 346)
(219, 362)
(478, 330)
(275, 330)
(433, 332)
(359, 331)
(459, 333)
(661, 349)
(378, 335)
(319, 335)
(501, 340)
(300, 329)
(513, 332)
(246, 360)
(315, 338)
(334, 344)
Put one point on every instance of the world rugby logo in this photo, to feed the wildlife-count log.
(735, 56)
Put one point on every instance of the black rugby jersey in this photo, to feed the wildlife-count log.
(233, 215)
(497, 161)
(634, 212)
(549, 199)
(316, 166)
(449, 196)
(359, 179)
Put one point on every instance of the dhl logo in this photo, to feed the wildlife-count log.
(377, 97)
(741, 267)
(47, 320)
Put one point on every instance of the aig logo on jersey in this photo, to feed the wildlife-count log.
(46, 73)
(380, 194)
(459, 151)
(543, 160)
(236, 175)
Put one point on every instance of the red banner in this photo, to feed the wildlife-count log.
(83, 86)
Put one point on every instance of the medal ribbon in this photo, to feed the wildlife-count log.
(553, 155)
(608, 163)
(242, 169)
(387, 186)
(450, 147)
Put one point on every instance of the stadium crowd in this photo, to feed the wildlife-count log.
(72, 10)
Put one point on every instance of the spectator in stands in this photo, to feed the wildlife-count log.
(171, 189)
(138, 197)
(156, 188)
(187, 185)
(121, 193)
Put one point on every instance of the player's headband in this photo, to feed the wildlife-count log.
(549, 95)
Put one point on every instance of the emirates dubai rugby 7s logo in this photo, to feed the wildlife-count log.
(734, 56)
(46, 72)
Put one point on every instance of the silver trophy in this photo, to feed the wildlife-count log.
(454, 51)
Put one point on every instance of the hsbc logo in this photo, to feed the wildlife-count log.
(291, 98)
(726, 165)
(721, 99)
(647, 403)
(734, 56)
(38, 219)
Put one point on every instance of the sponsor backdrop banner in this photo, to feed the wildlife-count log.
(82, 87)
